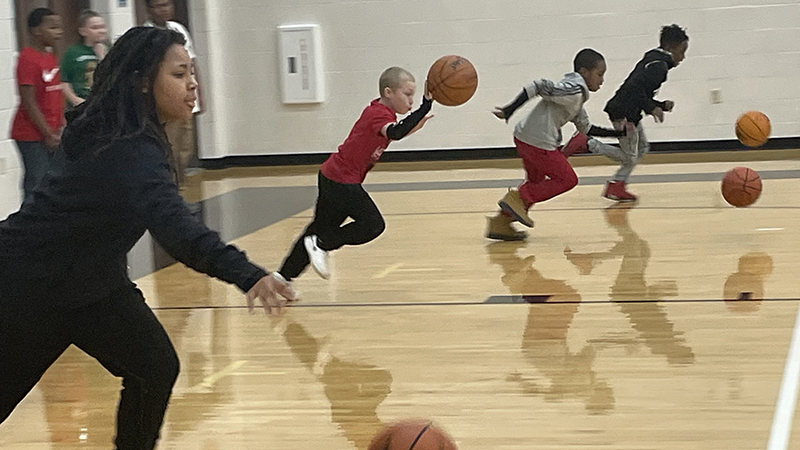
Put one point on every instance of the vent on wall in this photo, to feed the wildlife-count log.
(301, 63)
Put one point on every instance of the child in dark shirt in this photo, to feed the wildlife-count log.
(633, 98)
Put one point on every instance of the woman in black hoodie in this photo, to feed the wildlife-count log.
(63, 271)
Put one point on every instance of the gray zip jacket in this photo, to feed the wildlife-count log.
(561, 102)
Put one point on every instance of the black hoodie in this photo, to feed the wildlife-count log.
(637, 91)
(67, 245)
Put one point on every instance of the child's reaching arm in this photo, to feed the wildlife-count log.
(584, 126)
(411, 124)
(562, 92)
(596, 131)
(505, 112)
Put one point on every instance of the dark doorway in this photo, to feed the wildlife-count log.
(67, 9)
(181, 12)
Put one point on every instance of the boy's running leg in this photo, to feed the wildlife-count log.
(327, 217)
(346, 200)
(622, 154)
(634, 148)
(556, 175)
(579, 143)
(513, 204)
(367, 222)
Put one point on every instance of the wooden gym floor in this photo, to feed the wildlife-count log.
(666, 325)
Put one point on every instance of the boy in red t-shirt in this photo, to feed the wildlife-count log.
(40, 116)
(339, 181)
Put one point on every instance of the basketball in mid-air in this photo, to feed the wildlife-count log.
(753, 129)
(452, 80)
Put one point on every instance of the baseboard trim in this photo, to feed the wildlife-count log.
(783, 143)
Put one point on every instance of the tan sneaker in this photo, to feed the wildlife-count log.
(499, 228)
(512, 204)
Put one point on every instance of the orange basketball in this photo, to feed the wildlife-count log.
(741, 186)
(413, 434)
(452, 80)
(753, 128)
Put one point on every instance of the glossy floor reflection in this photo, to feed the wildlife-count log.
(661, 326)
(496, 376)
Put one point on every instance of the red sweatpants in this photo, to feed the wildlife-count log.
(548, 173)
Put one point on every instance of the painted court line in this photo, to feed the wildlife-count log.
(787, 399)
(387, 271)
(491, 301)
(210, 380)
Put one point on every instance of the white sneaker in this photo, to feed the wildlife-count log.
(317, 256)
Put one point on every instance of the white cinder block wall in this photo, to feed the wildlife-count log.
(750, 50)
(118, 18)
(10, 166)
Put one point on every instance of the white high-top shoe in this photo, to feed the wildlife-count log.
(317, 256)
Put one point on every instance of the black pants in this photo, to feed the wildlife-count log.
(335, 203)
(121, 332)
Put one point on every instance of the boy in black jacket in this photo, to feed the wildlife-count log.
(631, 99)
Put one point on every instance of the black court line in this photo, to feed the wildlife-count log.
(582, 181)
(514, 300)
(542, 210)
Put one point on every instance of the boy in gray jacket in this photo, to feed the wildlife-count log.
(538, 141)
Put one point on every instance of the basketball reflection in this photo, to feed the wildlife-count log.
(636, 298)
(744, 289)
(570, 375)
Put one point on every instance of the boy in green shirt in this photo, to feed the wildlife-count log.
(80, 60)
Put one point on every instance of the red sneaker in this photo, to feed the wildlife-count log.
(578, 144)
(615, 190)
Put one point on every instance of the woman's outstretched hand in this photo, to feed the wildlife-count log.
(274, 292)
